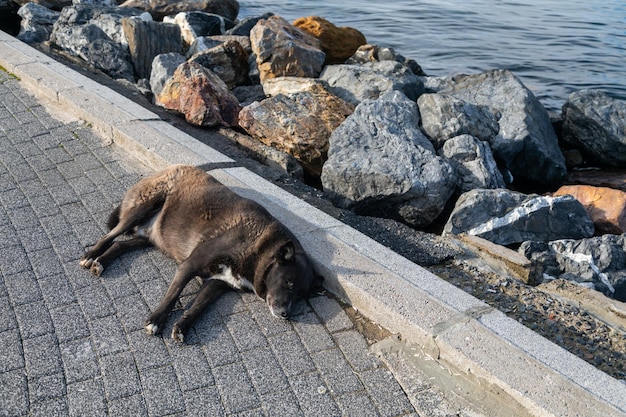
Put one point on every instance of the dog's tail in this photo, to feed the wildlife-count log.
(114, 218)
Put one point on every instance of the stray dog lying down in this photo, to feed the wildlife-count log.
(211, 232)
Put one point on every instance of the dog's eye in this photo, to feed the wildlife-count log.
(289, 284)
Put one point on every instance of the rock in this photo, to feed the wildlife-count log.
(200, 95)
(489, 214)
(606, 207)
(289, 85)
(146, 40)
(204, 43)
(598, 262)
(95, 34)
(228, 60)
(163, 68)
(244, 27)
(380, 162)
(355, 83)
(282, 50)
(107, 3)
(339, 43)
(613, 178)
(36, 24)
(161, 8)
(299, 123)
(474, 163)
(374, 53)
(56, 5)
(526, 143)
(596, 124)
(248, 94)
(444, 117)
(197, 24)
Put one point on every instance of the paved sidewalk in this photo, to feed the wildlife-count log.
(73, 344)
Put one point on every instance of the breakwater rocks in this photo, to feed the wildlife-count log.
(475, 154)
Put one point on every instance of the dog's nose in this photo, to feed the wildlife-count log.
(283, 314)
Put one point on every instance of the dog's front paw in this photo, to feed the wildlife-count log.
(177, 334)
(96, 268)
(86, 262)
(152, 329)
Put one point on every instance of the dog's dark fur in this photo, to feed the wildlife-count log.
(211, 232)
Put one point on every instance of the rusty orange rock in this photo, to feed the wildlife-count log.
(339, 43)
(606, 206)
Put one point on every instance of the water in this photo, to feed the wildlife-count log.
(555, 46)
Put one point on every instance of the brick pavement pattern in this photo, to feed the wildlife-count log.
(73, 344)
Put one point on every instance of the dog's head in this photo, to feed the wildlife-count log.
(288, 278)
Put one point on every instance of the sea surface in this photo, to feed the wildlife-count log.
(556, 47)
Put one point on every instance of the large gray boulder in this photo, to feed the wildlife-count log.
(598, 262)
(506, 217)
(355, 83)
(444, 117)
(163, 68)
(95, 34)
(526, 142)
(380, 162)
(474, 163)
(36, 23)
(228, 60)
(596, 124)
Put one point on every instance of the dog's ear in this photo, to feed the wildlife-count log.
(286, 252)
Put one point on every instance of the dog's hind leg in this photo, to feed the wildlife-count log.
(211, 290)
(116, 249)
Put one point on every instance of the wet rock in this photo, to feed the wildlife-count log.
(339, 43)
(228, 60)
(37, 22)
(299, 123)
(526, 142)
(244, 26)
(161, 8)
(197, 24)
(506, 217)
(200, 95)
(379, 162)
(163, 68)
(444, 117)
(355, 83)
(598, 262)
(596, 124)
(374, 53)
(474, 163)
(282, 50)
(56, 5)
(95, 34)
(605, 206)
(147, 39)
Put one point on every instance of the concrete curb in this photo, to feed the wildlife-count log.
(460, 330)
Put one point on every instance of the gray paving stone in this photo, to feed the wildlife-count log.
(52, 177)
(46, 387)
(95, 301)
(32, 188)
(12, 353)
(132, 311)
(236, 389)
(45, 263)
(134, 406)
(77, 276)
(55, 225)
(281, 404)
(149, 351)
(57, 291)
(204, 402)
(34, 238)
(108, 335)
(42, 356)
(68, 248)
(357, 404)
(79, 360)
(7, 315)
(265, 371)
(313, 395)
(152, 291)
(161, 391)
(386, 392)
(22, 286)
(13, 393)
(56, 407)
(40, 162)
(88, 234)
(230, 303)
(291, 354)
(76, 213)
(356, 351)
(13, 199)
(121, 378)
(22, 217)
(86, 398)
(218, 345)
(312, 333)
(245, 331)
(269, 325)
(10, 236)
(191, 366)
(33, 319)
(334, 368)
(331, 313)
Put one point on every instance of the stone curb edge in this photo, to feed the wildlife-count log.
(460, 330)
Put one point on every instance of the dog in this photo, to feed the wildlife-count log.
(211, 232)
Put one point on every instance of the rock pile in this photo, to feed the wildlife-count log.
(381, 136)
